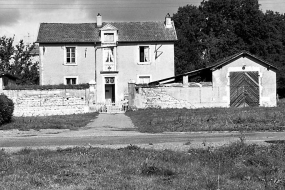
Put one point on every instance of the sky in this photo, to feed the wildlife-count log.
(21, 18)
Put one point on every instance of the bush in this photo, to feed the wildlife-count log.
(6, 109)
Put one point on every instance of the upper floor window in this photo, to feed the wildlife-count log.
(70, 55)
(109, 37)
(144, 54)
(108, 55)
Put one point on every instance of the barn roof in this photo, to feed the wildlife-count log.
(229, 59)
(3, 74)
(217, 65)
(90, 33)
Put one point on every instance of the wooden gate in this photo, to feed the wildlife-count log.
(244, 89)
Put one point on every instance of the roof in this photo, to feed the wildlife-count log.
(2, 74)
(89, 32)
(219, 64)
(35, 51)
(227, 60)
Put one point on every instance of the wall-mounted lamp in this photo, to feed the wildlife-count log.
(243, 67)
(85, 52)
(44, 49)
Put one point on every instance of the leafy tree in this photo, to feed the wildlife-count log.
(219, 28)
(17, 60)
(6, 53)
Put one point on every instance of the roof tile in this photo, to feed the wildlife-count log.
(89, 32)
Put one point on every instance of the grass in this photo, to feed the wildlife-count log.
(209, 119)
(236, 166)
(72, 122)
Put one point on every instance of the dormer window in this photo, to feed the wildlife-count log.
(109, 37)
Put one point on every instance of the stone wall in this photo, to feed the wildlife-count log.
(50, 102)
(178, 97)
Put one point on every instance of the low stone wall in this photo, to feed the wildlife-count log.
(50, 110)
(178, 97)
(50, 102)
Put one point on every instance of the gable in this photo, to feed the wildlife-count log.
(243, 54)
(108, 27)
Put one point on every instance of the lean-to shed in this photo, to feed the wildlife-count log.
(240, 80)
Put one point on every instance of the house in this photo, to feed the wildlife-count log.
(107, 54)
(239, 80)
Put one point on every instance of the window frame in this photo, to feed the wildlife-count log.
(65, 56)
(108, 32)
(139, 55)
(105, 51)
(71, 77)
(146, 75)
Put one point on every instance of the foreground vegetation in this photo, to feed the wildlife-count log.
(209, 119)
(236, 166)
(72, 122)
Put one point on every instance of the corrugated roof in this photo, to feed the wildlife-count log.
(89, 32)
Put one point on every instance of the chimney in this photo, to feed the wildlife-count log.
(99, 20)
(168, 23)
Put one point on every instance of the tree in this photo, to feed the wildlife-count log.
(18, 61)
(219, 28)
(6, 53)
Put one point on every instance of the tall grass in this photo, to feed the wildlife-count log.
(73, 122)
(209, 119)
(236, 166)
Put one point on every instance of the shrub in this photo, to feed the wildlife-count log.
(6, 109)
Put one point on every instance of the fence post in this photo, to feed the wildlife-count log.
(185, 81)
(1, 85)
(131, 90)
(92, 93)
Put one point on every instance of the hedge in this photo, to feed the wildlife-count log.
(6, 109)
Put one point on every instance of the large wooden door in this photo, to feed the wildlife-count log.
(244, 89)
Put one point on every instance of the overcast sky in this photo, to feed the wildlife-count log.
(22, 17)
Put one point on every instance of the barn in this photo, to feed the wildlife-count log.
(247, 80)
(241, 80)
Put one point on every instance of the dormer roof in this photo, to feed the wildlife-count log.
(108, 27)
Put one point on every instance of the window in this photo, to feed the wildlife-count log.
(109, 37)
(144, 80)
(70, 81)
(70, 55)
(109, 80)
(109, 55)
(144, 53)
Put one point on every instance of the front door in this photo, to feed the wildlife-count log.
(110, 93)
(244, 89)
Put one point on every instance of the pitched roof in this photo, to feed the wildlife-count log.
(3, 74)
(227, 60)
(89, 32)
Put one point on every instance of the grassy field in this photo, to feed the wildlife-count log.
(72, 122)
(236, 166)
(209, 119)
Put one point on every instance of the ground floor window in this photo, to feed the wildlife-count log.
(71, 80)
(144, 79)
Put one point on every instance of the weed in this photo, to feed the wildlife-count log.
(210, 119)
(73, 122)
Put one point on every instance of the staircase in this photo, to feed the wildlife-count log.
(113, 108)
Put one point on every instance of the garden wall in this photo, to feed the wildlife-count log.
(179, 97)
(50, 102)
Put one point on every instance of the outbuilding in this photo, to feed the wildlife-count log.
(240, 80)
